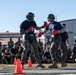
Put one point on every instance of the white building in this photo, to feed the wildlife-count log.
(71, 29)
(5, 37)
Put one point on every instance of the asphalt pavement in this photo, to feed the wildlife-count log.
(69, 70)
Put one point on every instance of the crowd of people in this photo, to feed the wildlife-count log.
(56, 51)
(10, 51)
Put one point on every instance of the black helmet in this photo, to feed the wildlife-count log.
(51, 16)
(30, 16)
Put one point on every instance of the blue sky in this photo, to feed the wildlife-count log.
(13, 12)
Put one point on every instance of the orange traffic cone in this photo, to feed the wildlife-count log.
(14, 61)
(29, 62)
(18, 69)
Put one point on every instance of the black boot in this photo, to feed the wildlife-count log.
(40, 65)
(54, 65)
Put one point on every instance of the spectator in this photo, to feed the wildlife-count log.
(64, 43)
(19, 42)
(6, 57)
(40, 43)
(74, 51)
(0, 56)
(47, 56)
(70, 57)
(4, 47)
(0, 45)
(10, 43)
(20, 50)
(16, 51)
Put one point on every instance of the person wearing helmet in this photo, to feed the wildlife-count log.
(55, 30)
(28, 27)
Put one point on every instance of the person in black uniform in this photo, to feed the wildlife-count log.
(64, 43)
(27, 27)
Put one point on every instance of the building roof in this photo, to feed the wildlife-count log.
(67, 20)
(4, 37)
(9, 33)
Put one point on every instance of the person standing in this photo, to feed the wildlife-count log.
(10, 43)
(19, 41)
(64, 44)
(55, 30)
(27, 27)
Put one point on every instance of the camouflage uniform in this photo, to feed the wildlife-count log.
(54, 46)
(33, 43)
(64, 37)
(0, 45)
(54, 50)
(10, 44)
(59, 54)
(64, 51)
(27, 27)
(19, 43)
